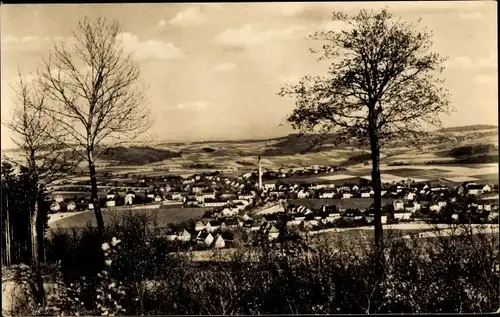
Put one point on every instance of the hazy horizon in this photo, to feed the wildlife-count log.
(214, 70)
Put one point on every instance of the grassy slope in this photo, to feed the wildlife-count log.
(162, 216)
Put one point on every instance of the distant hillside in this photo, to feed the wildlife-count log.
(473, 154)
(469, 128)
(299, 143)
(138, 155)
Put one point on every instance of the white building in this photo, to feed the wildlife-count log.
(205, 238)
(200, 226)
(71, 206)
(129, 198)
(302, 194)
(219, 242)
(215, 204)
(346, 196)
(184, 236)
(55, 207)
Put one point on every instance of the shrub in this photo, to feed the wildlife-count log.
(299, 274)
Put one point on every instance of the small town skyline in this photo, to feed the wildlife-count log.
(213, 71)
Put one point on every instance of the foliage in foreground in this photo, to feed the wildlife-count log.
(140, 275)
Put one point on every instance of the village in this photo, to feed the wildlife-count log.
(243, 210)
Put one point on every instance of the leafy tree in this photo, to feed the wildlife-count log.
(381, 86)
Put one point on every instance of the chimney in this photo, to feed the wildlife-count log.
(260, 175)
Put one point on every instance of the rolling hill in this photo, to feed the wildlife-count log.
(469, 128)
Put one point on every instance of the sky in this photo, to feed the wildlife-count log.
(213, 71)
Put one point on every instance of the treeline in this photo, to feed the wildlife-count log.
(17, 193)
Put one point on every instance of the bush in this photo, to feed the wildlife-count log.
(300, 274)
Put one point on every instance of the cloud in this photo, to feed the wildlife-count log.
(284, 80)
(471, 15)
(197, 105)
(190, 17)
(150, 49)
(291, 9)
(483, 80)
(162, 23)
(224, 67)
(467, 63)
(28, 43)
(335, 26)
(247, 36)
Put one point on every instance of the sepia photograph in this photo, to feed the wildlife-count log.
(249, 158)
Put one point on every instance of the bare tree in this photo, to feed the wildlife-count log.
(93, 86)
(382, 85)
(43, 159)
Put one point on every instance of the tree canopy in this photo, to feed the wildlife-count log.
(382, 78)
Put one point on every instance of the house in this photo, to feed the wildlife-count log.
(213, 225)
(110, 203)
(171, 237)
(398, 205)
(484, 205)
(58, 199)
(219, 242)
(486, 189)
(111, 195)
(129, 197)
(330, 209)
(215, 203)
(269, 186)
(176, 196)
(410, 196)
(71, 206)
(273, 233)
(346, 196)
(204, 238)
(355, 188)
(366, 195)
(55, 207)
(197, 189)
(91, 206)
(302, 194)
(200, 198)
(184, 236)
(327, 194)
(246, 217)
(229, 212)
(345, 189)
(230, 223)
(477, 189)
(331, 217)
(435, 207)
(199, 226)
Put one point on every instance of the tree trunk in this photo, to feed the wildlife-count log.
(378, 260)
(8, 245)
(377, 188)
(94, 196)
(39, 289)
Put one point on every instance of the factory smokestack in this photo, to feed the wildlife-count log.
(260, 175)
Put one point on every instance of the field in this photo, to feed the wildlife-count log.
(292, 151)
(162, 216)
